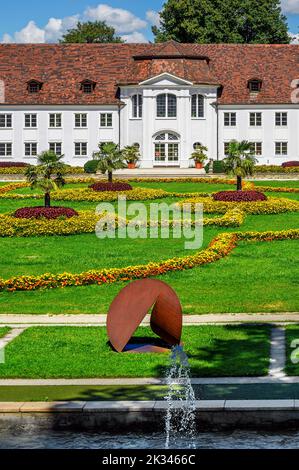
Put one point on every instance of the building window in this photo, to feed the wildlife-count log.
(255, 85)
(55, 120)
(81, 120)
(257, 148)
(34, 86)
(166, 148)
(5, 120)
(56, 147)
(196, 145)
(30, 149)
(30, 120)
(87, 86)
(230, 119)
(137, 106)
(197, 106)
(226, 148)
(106, 119)
(5, 149)
(281, 119)
(281, 148)
(255, 119)
(166, 105)
(80, 149)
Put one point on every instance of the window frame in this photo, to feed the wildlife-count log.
(6, 115)
(138, 106)
(6, 153)
(281, 115)
(31, 155)
(255, 144)
(230, 114)
(81, 155)
(105, 123)
(166, 106)
(199, 105)
(281, 153)
(55, 120)
(55, 143)
(255, 114)
(30, 116)
(81, 126)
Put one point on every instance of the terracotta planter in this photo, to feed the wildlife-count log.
(131, 166)
(198, 165)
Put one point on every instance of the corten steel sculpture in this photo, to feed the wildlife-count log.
(131, 305)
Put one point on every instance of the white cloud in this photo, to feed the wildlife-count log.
(134, 37)
(122, 20)
(153, 17)
(125, 23)
(290, 6)
(30, 33)
(295, 38)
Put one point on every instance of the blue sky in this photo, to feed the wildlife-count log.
(38, 21)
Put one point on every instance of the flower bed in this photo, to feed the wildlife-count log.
(220, 247)
(84, 222)
(117, 186)
(13, 165)
(290, 164)
(18, 168)
(271, 206)
(44, 212)
(239, 196)
(275, 169)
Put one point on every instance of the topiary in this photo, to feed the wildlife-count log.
(91, 166)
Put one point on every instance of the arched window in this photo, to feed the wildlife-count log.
(166, 149)
(137, 106)
(197, 106)
(166, 105)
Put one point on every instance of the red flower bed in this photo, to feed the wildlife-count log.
(44, 212)
(100, 186)
(13, 164)
(239, 196)
(288, 164)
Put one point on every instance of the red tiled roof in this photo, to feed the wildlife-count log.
(62, 68)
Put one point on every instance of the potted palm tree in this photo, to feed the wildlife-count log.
(131, 155)
(240, 161)
(199, 155)
(47, 175)
(110, 158)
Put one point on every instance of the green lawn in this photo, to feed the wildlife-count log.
(45, 352)
(292, 337)
(256, 277)
(3, 331)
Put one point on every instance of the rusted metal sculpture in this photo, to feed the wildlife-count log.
(131, 305)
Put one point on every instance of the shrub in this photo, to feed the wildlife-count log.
(239, 196)
(276, 169)
(217, 167)
(13, 164)
(290, 164)
(44, 212)
(91, 166)
(101, 186)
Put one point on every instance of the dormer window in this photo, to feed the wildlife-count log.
(34, 86)
(255, 85)
(87, 86)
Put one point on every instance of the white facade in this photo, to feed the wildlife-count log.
(277, 137)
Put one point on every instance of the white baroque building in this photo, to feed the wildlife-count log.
(165, 97)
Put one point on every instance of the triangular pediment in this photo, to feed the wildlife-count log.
(165, 79)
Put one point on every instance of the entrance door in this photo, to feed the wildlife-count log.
(166, 149)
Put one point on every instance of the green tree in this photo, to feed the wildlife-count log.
(110, 159)
(223, 21)
(91, 32)
(47, 175)
(240, 161)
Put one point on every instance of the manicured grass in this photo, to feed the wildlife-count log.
(292, 339)
(82, 392)
(3, 331)
(256, 277)
(44, 352)
(279, 183)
